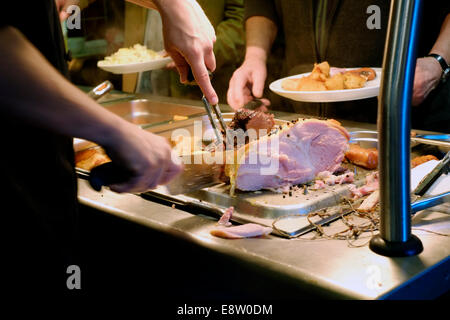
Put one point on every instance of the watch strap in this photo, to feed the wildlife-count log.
(442, 62)
(444, 65)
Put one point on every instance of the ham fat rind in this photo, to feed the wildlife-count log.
(294, 155)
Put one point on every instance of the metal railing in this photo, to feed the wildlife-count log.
(394, 127)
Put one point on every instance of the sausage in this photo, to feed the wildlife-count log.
(422, 159)
(367, 158)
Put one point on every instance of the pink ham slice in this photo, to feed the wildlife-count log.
(248, 230)
(306, 148)
(226, 217)
(372, 184)
(327, 178)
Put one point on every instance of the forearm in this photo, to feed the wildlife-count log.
(442, 44)
(260, 34)
(50, 101)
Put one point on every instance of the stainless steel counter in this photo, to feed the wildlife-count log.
(328, 267)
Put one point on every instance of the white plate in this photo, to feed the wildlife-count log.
(371, 89)
(135, 67)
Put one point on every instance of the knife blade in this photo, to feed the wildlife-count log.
(196, 174)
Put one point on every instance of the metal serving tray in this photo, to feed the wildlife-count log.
(146, 113)
(259, 206)
(265, 206)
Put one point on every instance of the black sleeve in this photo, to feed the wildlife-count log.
(433, 16)
(264, 8)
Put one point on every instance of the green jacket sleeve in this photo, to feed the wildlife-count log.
(264, 8)
(230, 45)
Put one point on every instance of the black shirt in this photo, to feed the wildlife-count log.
(434, 113)
(38, 179)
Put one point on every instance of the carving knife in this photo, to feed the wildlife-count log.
(196, 175)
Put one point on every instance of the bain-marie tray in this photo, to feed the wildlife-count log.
(258, 206)
(265, 206)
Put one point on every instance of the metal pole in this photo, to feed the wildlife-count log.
(394, 128)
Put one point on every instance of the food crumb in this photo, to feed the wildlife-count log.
(173, 206)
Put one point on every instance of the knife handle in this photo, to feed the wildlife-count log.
(108, 174)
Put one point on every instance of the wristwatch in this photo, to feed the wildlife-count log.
(444, 65)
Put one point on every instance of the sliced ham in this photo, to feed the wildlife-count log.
(319, 184)
(226, 217)
(327, 178)
(348, 177)
(372, 184)
(247, 230)
(324, 175)
(305, 148)
(370, 202)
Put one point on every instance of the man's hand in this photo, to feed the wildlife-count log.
(189, 39)
(146, 155)
(247, 83)
(248, 80)
(427, 76)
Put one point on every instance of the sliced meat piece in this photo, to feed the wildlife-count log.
(225, 218)
(367, 158)
(261, 121)
(347, 177)
(372, 184)
(324, 175)
(319, 184)
(255, 119)
(422, 159)
(331, 179)
(248, 230)
(370, 202)
(240, 119)
(294, 155)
